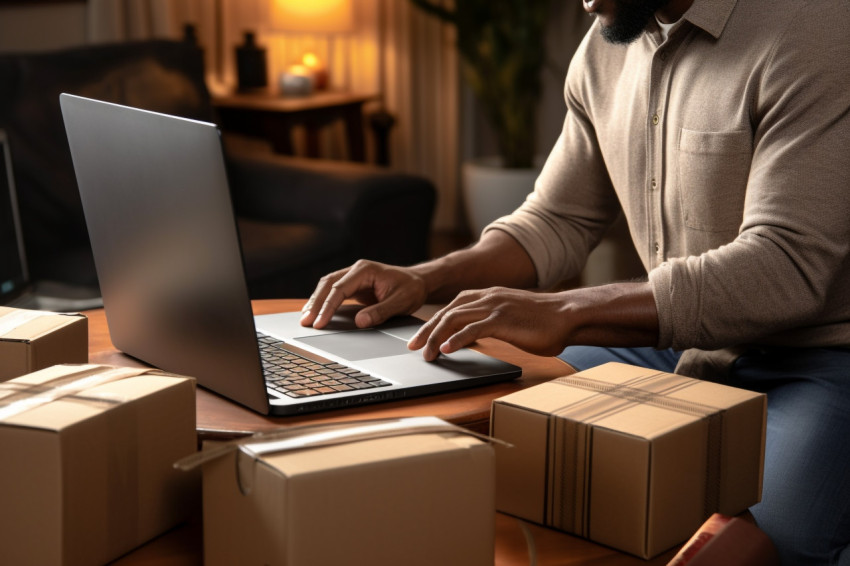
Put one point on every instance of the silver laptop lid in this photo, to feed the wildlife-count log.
(158, 209)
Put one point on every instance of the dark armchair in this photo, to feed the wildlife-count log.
(298, 218)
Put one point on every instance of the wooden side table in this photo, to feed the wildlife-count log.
(272, 116)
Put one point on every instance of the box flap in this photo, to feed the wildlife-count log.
(23, 324)
(339, 443)
(63, 395)
(332, 458)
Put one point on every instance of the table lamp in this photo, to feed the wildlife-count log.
(312, 17)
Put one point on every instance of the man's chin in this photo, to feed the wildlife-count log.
(619, 36)
(628, 20)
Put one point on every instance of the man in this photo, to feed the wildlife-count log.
(722, 128)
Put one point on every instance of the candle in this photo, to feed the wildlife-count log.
(320, 73)
(297, 80)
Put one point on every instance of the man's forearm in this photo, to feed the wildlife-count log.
(496, 260)
(613, 315)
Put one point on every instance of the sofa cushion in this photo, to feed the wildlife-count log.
(270, 247)
(162, 76)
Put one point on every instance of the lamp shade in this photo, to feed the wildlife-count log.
(312, 16)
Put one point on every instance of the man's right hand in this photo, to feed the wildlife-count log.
(385, 289)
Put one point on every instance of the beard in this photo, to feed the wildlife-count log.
(632, 18)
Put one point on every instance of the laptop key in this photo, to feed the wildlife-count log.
(301, 393)
(365, 377)
(296, 375)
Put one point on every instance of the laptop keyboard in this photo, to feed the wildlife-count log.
(303, 374)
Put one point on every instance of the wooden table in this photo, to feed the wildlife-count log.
(219, 418)
(274, 117)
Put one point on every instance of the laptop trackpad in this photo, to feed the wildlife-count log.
(358, 345)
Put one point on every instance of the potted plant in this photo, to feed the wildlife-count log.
(502, 48)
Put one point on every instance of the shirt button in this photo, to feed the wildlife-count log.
(655, 119)
(657, 247)
(653, 184)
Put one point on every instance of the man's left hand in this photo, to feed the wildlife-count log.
(535, 322)
(613, 315)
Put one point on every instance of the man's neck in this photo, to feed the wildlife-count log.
(673, 11)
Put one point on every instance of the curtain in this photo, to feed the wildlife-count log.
(422, 90)
(124, 20)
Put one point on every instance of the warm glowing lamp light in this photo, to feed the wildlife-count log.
(325, 17)
(311, 60)
(313, 16)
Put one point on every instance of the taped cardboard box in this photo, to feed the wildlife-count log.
(413, 491)
(33, 340)
(628, 457)
(87, 462)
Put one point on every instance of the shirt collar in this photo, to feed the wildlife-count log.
(710, 15)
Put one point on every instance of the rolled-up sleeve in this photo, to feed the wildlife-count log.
(573, 201)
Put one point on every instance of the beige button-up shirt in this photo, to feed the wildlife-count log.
(728, 148)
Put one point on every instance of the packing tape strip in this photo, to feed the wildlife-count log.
(327, 434)
(26, 396)
(18, 317)
(629, 392)
(336, 435)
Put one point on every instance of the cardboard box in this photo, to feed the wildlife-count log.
(87, 462)
(628, 457)
(33, 340)
(368, 496)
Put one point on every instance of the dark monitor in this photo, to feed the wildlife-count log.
(13, 270)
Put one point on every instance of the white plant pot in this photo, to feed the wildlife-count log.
(490, 191)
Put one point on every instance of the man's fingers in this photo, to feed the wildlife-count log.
(387, 290)
(327, 298)
(348, 286)
(360, 277)
(310, 310)
(335, 298)
(395, 300)
(374, 315)
(421, 337)
(466, 336)
(455, 329)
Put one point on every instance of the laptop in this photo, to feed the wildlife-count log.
(16, 288)
(157, 205)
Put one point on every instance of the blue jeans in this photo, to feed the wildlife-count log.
(805, 506)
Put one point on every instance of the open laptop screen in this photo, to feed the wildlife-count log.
(13, 273)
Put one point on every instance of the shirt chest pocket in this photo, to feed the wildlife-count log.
(713, 170)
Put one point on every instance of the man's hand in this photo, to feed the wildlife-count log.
(387, 290)
(497, 259)
(615, 315)
(535, 322)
